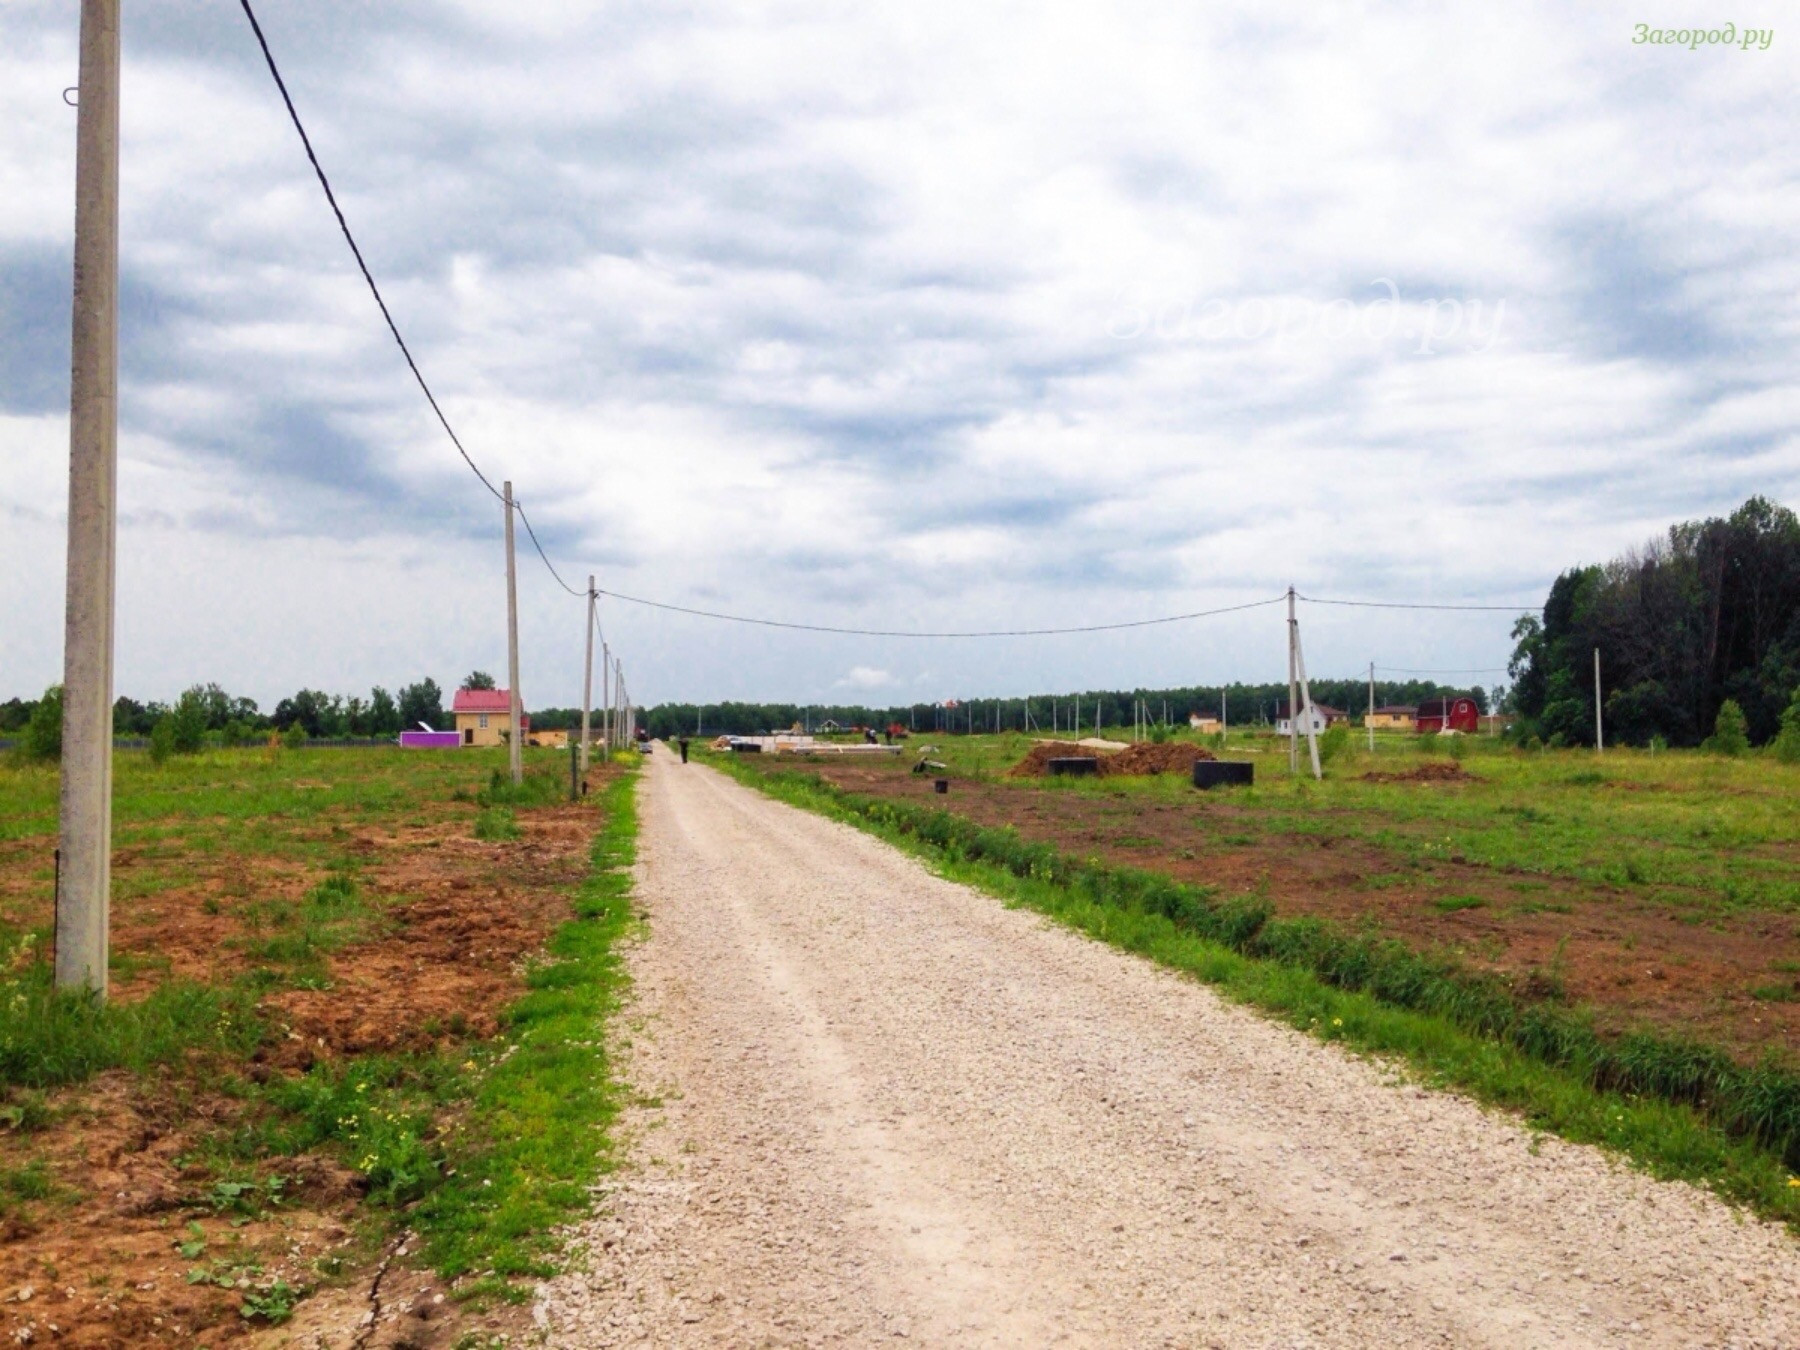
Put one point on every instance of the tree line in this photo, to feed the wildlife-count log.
(1700, 625)
(209, 714)
(1240, 704)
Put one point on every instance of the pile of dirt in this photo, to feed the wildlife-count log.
(1432, 771)
(1143, 758)
(1146, 757)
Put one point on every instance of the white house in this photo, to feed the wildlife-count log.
(1321, 716)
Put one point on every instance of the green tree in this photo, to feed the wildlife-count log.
(189, 720)
(478, 679)
(1731, 734)
(43, 733)
(162, 738)
(1787, 740)
(384, 715)
(422, 702)
(294, 738)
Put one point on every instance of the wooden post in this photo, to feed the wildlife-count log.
(1599, 735)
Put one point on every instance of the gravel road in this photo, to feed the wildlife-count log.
(874, 1105)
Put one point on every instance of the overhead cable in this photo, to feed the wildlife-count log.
(1398, 604)
(350, 239)
(913, 633)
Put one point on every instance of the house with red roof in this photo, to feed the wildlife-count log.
(481, 716)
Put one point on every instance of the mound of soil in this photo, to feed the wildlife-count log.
(1143, 758)
(1432, 771)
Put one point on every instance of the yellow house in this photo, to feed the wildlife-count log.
(1392, 718)
(481, 716)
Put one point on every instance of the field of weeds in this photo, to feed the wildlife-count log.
(330, 987)
(1656, 890)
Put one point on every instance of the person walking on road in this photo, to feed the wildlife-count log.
(684, 744)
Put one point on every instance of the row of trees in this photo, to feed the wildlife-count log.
(1687, 624)
(1241, 704)
(208, 713)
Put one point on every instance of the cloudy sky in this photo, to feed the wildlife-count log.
(908, 316)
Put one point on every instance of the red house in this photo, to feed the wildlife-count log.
(1448, 714)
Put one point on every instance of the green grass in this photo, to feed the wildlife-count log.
(496, 822)
(1678, 1110)
(1681, 829)
(49, 1039)
(538, 1117)
(530, 1108)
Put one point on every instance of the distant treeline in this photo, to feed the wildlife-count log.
(1707, 615)
(208, 708)
(1243, 705)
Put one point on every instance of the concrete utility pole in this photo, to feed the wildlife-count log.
(1599, 738)
(1293, 687)
(1371, 707)
(587, 677)
(1312, 730)
(84, 892)
(1224, 725)
(515, 752)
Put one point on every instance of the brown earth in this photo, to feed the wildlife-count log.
(96, 1264)
(1431, 771)
(1134, 761)
(1634, 962)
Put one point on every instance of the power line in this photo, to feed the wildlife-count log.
(909, 633)
(1396, 604)
(545, 556)
(350, 239)
(1467, 670)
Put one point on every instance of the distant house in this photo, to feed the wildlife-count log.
(1322, 717)
(1448, 714)
(1203, 724)
(1394, 717)
(481, 716)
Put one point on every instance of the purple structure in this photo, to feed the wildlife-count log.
(430, 740)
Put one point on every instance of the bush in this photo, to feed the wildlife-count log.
(1787, 741)
(234, 733)
(294, 738)
(1731, 733)
(1334, 742)
(162, 738)
(43, 733)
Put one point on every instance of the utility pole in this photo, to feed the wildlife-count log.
(1371, 707)
(606, 697)
(1312, 730)
(515, 752)
(1599, 738)
(1293, 687)
(1224, 713)
(587, 677)
(84, 884)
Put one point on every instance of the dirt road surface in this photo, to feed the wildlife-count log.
(873, 1106)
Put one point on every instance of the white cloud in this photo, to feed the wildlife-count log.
(805, 311)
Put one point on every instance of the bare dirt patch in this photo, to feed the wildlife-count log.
(1431, 771)
(96, 1259)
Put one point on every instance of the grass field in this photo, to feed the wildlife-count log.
(1631, 919)
(355, 994)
